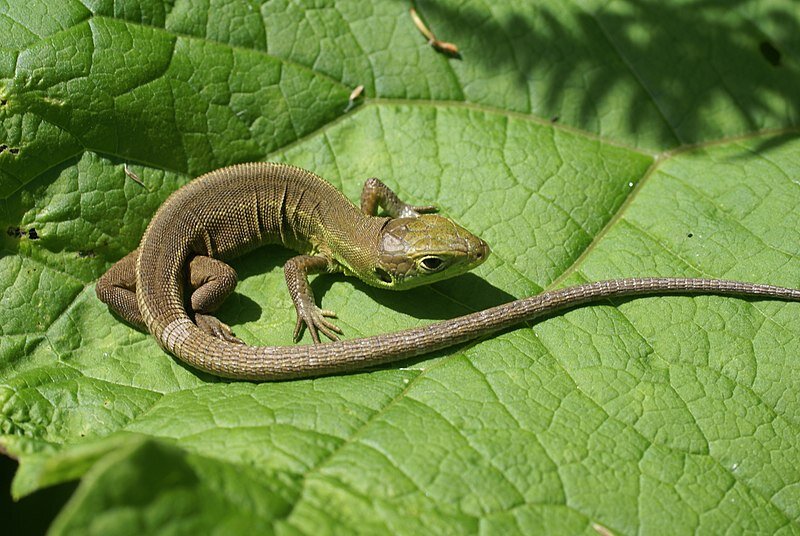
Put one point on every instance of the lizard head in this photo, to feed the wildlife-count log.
(422, 250)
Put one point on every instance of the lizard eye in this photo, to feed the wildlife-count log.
(431, 264)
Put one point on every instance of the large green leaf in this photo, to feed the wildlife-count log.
(582, 140)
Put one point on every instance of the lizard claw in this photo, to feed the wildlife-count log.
(314, 318)
(216, 328)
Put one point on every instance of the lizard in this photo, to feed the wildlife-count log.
(235, 209)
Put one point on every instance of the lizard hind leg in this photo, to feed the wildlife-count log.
(212, 281)
(117, 289)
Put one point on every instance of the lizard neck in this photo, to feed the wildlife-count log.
(352, 241)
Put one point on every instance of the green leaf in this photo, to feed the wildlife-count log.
(229, 501)
(583, 141)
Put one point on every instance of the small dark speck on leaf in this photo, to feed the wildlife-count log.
(32, 234)
(555, 119)
(16, 232)
(3, 147)
(14, 151)
(690, 235)
(3, 102)
(770, 53)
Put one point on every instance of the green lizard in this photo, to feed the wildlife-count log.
(235, 209)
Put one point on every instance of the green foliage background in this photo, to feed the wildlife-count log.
(583, 140)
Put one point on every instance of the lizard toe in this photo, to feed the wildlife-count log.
(216, 328)
(315, 320)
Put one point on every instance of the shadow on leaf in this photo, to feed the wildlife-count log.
(684, 73)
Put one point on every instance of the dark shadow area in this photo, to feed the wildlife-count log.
(246, 310)
(262, 260)
(674, 64)
(238, 308)
(773, 142)
(451, 298)
(448, 299)
(33, 514)
(441, 301)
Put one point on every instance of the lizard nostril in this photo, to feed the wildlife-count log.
(482, 251)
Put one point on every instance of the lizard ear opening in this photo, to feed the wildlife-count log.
(432, 264)
(383, 275)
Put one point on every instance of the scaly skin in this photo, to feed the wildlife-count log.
(233, 210)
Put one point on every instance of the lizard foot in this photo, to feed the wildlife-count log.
(215, 327)
(314, 318)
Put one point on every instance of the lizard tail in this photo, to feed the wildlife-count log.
(184, 339)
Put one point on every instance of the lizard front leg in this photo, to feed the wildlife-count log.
(375, 194)
(296, 270)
